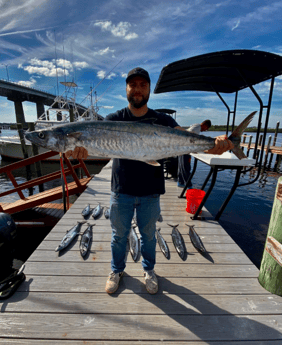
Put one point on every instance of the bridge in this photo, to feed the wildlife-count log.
(19, 94)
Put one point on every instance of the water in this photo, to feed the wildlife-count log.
(246, 217)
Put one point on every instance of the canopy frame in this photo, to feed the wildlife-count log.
(237, 70)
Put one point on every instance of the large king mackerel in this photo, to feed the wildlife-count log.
(136, 140)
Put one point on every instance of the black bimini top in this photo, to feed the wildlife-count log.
(226, 71)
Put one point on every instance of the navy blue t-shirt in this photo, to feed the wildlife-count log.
(135, 177)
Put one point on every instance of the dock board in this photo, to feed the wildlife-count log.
(214, 299)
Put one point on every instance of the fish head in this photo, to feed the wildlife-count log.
(53, 138)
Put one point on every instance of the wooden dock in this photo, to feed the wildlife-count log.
(214, 299)
(271, 149)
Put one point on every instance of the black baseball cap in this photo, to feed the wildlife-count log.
(138, 72)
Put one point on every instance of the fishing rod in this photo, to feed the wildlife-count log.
(101, 80)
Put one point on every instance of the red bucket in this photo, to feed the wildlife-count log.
(194, 198)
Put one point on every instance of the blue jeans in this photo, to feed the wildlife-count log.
(121, 214)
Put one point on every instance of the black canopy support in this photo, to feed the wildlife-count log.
(226, 72)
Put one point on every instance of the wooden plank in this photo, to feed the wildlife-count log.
(81, 269)
(100, 235)
(105, 256)
(135, 285)
(161, 304)
(141, 327)
(47, 196)
(129, 342)
(199, 301)
(210, 247)
(202, 229)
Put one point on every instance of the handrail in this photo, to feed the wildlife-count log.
(39, 180)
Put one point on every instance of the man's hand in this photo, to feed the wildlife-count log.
(222, 144)
(77, 153)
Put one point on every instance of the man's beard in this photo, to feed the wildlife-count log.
(138, 104)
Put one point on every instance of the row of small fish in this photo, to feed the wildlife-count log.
(133, 240)
(85, 241)
(96, 212)
(178, 241)
(134, 243)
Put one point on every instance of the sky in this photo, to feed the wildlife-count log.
(95, 43)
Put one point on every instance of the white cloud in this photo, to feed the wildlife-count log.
(22, 32)
(236, 25)
(11, 8)
(131, 36)
(120, 30)
(104, 51)
(107, 106)
(47, 72)
(29, 83)
(102, 74)
(49, 69)
(80, 64)
(123, 75)
(63, 63)
(44, 63)
(258, 15)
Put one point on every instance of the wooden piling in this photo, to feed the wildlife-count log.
(244, 136)
(270, 276)
(25, 154)
(249, 145)
(267, 151)
(274, 143)
(35, 152)
(259, 147)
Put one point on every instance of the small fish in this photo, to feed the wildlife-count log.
(98, 210)
(195, 239)
(69, 236)
(162, 243)
(107, 213)
(178, 241)
(86, 211)
(85, 240)
(135, 140)
(133, 243)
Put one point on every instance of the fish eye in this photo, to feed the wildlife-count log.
(41, 135)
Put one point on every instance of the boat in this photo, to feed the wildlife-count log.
(63, 110)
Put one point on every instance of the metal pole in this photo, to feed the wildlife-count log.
(63, 184)
(6, 70)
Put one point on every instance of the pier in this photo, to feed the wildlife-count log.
(212, 299)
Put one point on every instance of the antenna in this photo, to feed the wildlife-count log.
(101, 80)
(58, 91)
(64, 60)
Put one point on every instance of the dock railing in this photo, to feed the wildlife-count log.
(78, 186)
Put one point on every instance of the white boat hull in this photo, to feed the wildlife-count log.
(10, 149)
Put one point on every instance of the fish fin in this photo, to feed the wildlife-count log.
(153, 163)
(173, 226)
(75, 135)
(235, 137)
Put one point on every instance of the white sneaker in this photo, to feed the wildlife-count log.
(113, 282)
(151, 282)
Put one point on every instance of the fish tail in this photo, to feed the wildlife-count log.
(235, 137)
(173, 226)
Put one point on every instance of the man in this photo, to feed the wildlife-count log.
(136, 186)
(184, 161)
